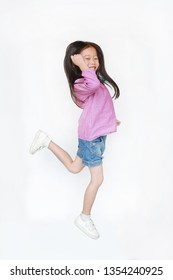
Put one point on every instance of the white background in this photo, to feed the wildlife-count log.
(39, 199)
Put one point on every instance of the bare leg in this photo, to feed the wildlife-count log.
(76, 166)
(73, 166)
(91, 191)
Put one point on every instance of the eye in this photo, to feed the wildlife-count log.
(95, 58)
(87, 57)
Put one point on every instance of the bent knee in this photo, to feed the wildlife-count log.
(101, 180)
(98, 180)
(74, 170)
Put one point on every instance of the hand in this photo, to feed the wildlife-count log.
(77, 60)
(118, 122)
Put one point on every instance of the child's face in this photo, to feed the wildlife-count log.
(90, 57)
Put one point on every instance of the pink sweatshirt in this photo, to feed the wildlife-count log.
(98, 117)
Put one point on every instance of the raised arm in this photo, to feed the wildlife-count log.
(78, 60)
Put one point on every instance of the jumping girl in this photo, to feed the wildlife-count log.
(85, 70)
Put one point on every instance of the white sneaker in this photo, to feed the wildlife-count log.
(40, 141)
(87, 227)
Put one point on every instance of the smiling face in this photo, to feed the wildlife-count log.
(90, 57)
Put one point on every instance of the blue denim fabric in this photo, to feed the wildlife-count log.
(91, 152)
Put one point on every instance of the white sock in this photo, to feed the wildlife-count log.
(46, 142)
(85, 217)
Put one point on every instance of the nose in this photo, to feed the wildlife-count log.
(92, 61)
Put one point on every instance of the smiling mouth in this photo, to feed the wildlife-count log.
(93, 67)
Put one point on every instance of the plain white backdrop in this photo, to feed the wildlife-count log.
(39, 199)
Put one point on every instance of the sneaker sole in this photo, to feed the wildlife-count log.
(32, 151)
(84, 231)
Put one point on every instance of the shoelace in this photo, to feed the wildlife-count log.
(40, 148)
(90, 225)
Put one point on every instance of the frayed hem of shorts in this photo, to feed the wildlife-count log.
(92, 164)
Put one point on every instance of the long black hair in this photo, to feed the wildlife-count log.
(73, 72)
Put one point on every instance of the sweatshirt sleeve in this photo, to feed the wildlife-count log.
(87, 85)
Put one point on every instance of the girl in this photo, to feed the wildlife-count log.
(86, 75)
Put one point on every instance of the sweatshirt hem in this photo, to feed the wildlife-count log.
(94, 137)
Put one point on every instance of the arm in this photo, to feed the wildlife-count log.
(77, 60)
(89, 83)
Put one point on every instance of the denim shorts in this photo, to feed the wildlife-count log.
(91, 152)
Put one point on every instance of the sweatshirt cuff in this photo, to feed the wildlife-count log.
(86, 72)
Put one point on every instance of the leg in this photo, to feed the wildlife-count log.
(91, 191)
(87, 225)
(73, 166)
(42, 140)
